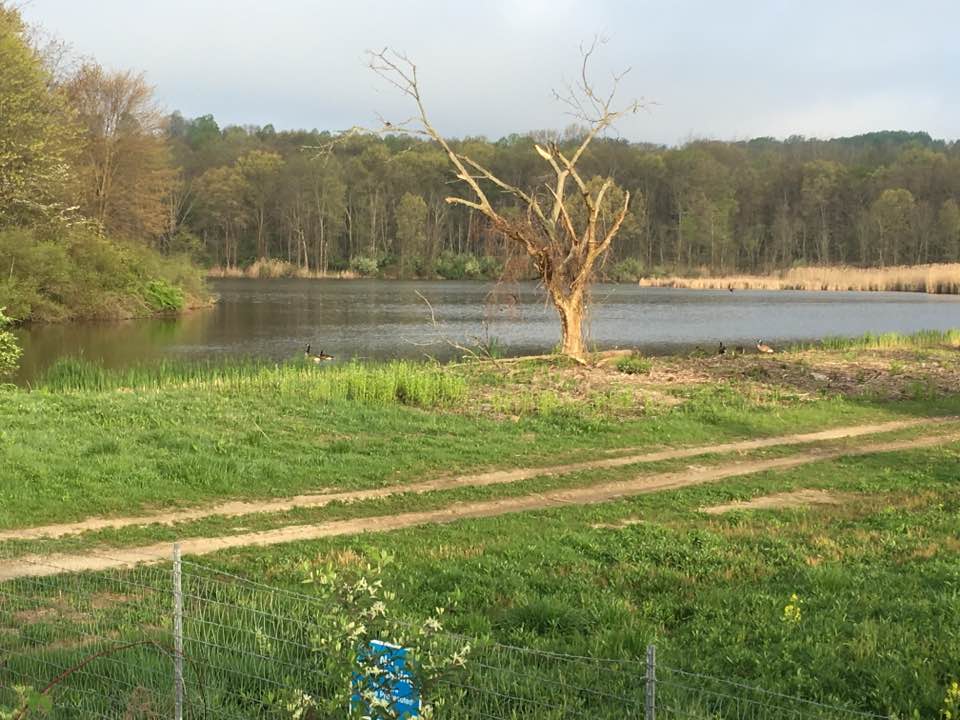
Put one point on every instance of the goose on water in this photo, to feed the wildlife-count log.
(317, 357)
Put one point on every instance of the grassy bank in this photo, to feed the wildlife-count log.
(875, 572)
(86, 440)
(925, 339)
(941, 279)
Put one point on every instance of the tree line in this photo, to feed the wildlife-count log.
(244, 193)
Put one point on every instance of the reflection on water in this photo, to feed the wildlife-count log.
(383, 319)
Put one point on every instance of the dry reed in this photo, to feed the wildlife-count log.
(272, 269)
(941, 279)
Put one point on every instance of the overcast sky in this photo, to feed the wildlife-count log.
(728, 69)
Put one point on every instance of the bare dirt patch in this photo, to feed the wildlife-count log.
(796, 499)
(894, 374)
(497, 477)
(626, 522)
(103, 600)
(38, 566)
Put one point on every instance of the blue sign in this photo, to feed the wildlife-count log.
(393, 684)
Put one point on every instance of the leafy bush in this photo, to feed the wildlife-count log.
(70, 273)
(161, 295)
(634, 365)
(364, 266)
(451, 266)
(454, 266)
(348, 636)
(490, 267)
(628, 270)
(9, 349)
(471, 268)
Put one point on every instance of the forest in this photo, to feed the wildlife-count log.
(92, 167)
(370, 203)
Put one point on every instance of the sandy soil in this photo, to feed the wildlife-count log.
(796, 499)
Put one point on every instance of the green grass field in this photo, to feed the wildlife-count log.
(874, 626)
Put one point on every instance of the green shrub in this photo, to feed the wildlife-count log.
(634, 365)
(471, 268)
(364, 266)
(490, 267)
(460, 266)
(72, 272)
(627, 270)
(451, 266)
(161, 295)
(9, 349)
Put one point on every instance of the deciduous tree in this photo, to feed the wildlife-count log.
(260, 170)
(124, 162)
(36, 131)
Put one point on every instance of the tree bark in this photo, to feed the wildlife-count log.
(571, 313)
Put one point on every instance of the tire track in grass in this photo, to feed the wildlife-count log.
(239, 508)
(39, 566)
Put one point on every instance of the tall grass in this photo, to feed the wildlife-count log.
(942, 279)
(272, 269)
(406, 383)
(888, 341)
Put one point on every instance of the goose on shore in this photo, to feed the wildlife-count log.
(763, 348)
(316, 357)
(721, 350)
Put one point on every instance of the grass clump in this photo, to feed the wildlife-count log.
(634, 365)
(889, 341)
(405, 383)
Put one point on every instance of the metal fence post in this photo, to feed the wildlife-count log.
(650, 695)
(177, 635)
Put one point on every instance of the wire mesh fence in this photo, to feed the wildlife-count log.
(184, 640)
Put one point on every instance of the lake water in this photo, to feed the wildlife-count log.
(387, 319)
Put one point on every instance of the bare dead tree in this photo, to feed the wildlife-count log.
(565, 242)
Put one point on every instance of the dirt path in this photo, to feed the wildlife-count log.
(497, 477)
(35, 566)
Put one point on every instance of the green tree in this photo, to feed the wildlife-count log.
(35, 130)
(260, 170)
(411, 219)
(818, 195)
(892, 216)
(222, 211)
(123, 165)
(948, 227)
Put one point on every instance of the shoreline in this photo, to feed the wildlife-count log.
(187, 309)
